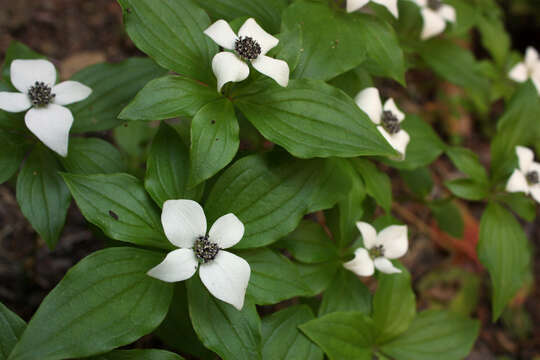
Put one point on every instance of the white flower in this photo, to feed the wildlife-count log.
(528, 69)
(390, 243)
(388, 118)
(48, 119)
(225, 275)
(526, 178)
(391, 5)
(251, 44)
(435, 14)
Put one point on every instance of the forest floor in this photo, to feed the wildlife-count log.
(77, 33)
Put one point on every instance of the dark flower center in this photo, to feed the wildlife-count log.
(41, 94)
(434, 4)
(205, 250)
(532, 177)
(390, 122)
(376, 252)
(247, 48)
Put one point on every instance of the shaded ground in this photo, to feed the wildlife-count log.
(76, 33)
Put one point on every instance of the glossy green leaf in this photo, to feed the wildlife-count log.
(311, 119)
(42, 195)
(12, 152)
(309, 243)
(171, 32)
(494, 37)
(432, 335)
(377, 183)
(169, 97)
(214, 140)
(93, 156)
(468, 163)
(448, 217)
(318, 276)
(503, 249)
(11, 329)
(266, 12)
(394, 305)
(167, 169)
(119, 206)
(346, 293)
(419, 181)
(106, 298)
(281, 338)
(342, 335)
(269, 194)
(274, 278)
(520, 203)
(333, 184)
(468, 189)
(113, 86)
(138, 355)
(221, 327)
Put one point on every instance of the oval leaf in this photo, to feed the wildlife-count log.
(93, 156)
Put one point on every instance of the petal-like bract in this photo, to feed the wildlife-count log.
(391, 106)
(448, 13)
(353, 5)
(226, 278)
(228, 67)
(369, 234)
(384, 265)
(519, 73)
(69, 92)
(398, 141)
(394, 240)
(434, 24)
(25, 73)
(525, 158)
(361, 265)
(222, 34)
(273, 68)
(227, 231)
(183, 222)
(51, 125)
(369, 101)
(251, 29)
(517, 183)
(179, 265)
(14, 102)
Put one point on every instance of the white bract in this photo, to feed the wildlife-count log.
(225, 275)
(251, 44)
(47, 118)
(528, 69)
(435, 14)
(391, 5)
(390, 243)
(387, 118)
(526, 178)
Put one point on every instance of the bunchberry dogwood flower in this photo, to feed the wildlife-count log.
(526, 178)
(391, 5)
(435, 14)
(387, 118)
(528, 69)
(48, 119)
(390, 243)
(224, 274)
(251, 45)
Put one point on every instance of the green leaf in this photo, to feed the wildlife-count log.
(494, 38)
(346, 293)
(269, 194)
(138, 355)
(353, 81)
(520, 203)
(119, 206)
(311, 119)
(342, 335)
(432, 335)
(394, 305)
(12, 151)
(274, 278)
(178, 322)
(289, 48)
(468, 189)
(11, 329)
(424, 148)
(169, 97)
(448, 217)
(214, 140)
(106, 298)
(232, 334)
(113, 87)
(309, 243)
(42, 195)
(419, 181)
(167, 169)
(377, 183)
(468, 163)
(281, 339)
(92, 156)
(503, 249)
(318, 276)
(266, 12)
(326, 53)
(171, 32)
(333, 184)
(17, 50)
